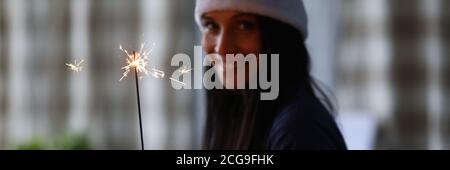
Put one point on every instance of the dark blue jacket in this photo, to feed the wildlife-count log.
(305, 126)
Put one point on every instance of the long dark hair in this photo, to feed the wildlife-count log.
(238, 119)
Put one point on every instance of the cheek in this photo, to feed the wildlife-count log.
(208, 42)
(250, 44)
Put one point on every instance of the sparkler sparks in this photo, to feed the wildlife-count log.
(185, 70)
(175, 80)
(157, 73)
(139, 60)
(75, 66)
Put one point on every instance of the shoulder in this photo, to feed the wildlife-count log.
(305, 126)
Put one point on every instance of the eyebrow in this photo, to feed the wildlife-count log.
(205, 17)
(243, 15)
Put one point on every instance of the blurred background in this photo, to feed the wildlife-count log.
(385, 60)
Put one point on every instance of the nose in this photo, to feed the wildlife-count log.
(225, 43)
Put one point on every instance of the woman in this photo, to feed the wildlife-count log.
(238, 119)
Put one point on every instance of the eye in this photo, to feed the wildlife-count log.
(246, 25)
(210, 26)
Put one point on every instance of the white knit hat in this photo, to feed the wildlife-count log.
(291, 12)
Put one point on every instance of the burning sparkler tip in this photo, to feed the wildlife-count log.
(137, 60)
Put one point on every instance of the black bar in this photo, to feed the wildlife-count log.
(280, 159)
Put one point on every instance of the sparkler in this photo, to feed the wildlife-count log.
(183, 70)
(157, 73)
(173, 79)
(75, 66)
(138, 60)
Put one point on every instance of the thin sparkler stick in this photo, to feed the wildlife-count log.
(138, 61)
(138, 102)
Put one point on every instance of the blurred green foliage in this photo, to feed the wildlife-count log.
(65, 141)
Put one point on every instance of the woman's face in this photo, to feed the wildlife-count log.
(230, 32)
